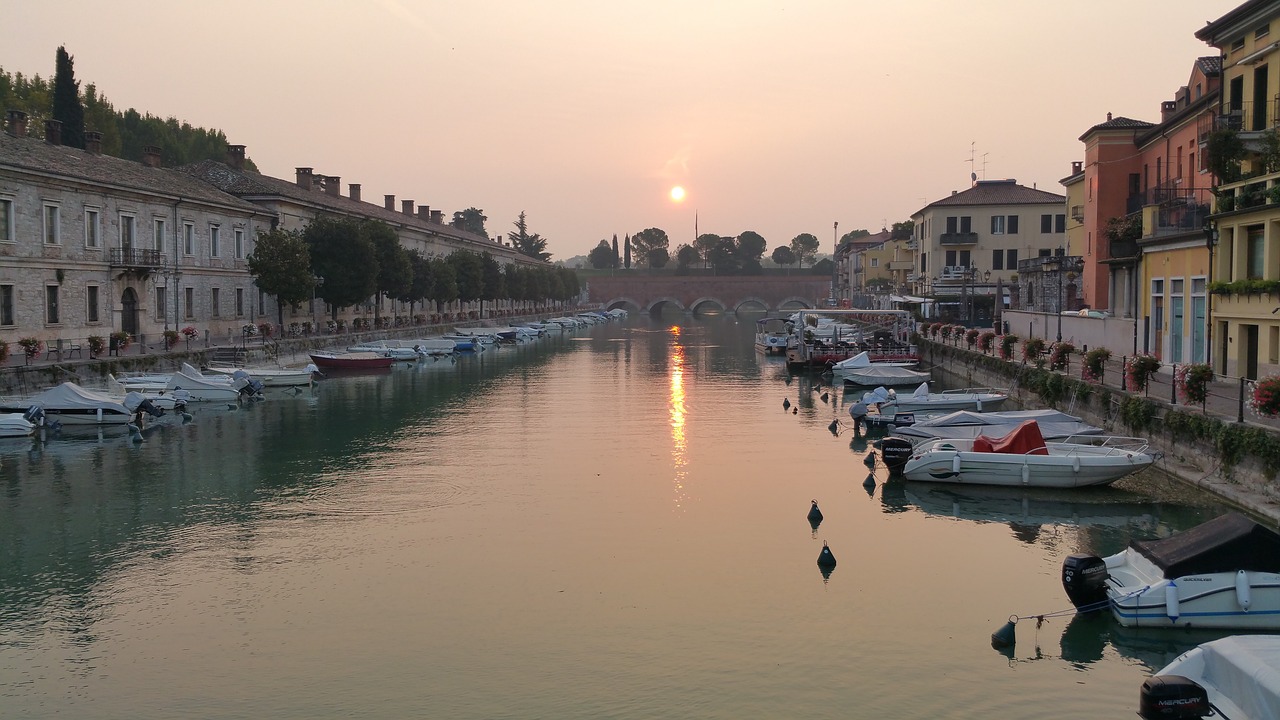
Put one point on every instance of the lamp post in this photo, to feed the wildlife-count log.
(1059, 308)
(1211, 240)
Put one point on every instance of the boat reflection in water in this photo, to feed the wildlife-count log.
(1088, 636)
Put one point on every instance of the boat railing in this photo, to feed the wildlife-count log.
(1112, 444)
(975, 391)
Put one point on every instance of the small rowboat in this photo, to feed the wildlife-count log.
(351, 361)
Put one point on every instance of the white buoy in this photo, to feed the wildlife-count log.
(1171, 601)
(1075, 464)
(1026, 473)
(1242, 590)
(955, 463)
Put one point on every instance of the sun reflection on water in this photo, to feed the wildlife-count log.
(676, 408)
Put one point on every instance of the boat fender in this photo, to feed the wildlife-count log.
(1242, 590)
(955, 463)
(979, 403)
(1075, 464)
(1026, 473)
(1171, 601)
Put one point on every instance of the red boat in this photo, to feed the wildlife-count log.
(351, 361)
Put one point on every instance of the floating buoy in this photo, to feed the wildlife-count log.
(1005, 636)
(826, 560)
(786, 403)
(869, 460)
(825, 397)
(870, 482)
(795, 411)
(834, 427)
(815, 515)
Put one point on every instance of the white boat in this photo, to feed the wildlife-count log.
(196, 386)
(923, 401)
(21, 424)
(1224, 573)
(70, 404)
(272, 376)
(1022, 458)
(1054, 425)
(772, 335)
(382, 348)
(434, 346)
(1235, 678)
(860, 370)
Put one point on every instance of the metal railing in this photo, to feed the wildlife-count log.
(136, 257)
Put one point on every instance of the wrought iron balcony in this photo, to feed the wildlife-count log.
(136, 258)
(1123, 249)
(959, 238)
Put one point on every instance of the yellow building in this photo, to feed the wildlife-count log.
(889, 263)
(1245, 266)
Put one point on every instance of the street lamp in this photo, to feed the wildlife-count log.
(171, 277)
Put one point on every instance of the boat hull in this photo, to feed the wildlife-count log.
(1047, 471)
(355, 361)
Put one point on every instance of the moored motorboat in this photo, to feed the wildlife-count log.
(351, 360)
(1236, 678)
(1023, 458)
(923, 401)
(21, 424)
(271, 376)
(1054, 424)
(772, 335)
(860, 370)
(1224, 573)
(70, 404)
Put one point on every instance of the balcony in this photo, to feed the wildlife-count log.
(960, 238)
(901, 264)
(1077, 213)
(136, 259)
(1123, 249)
(1184, 212)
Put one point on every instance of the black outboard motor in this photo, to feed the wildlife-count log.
(1173, 697)
(34, 415)
(135, 402)
(1084, 577)
(150, 408)
(247, 386)
(896, 452)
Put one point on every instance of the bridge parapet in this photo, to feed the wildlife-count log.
(646, 292)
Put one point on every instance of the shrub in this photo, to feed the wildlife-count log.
(97, 345)
(1264, 400)
(1032, 349)
(946, 332)
(1007, 343)
(1139, 371)
(971, 337)
(170, 338)
(1193, 382)
(1061, 355)
(986, 340)
(265, 329)
(1094, 364)
(122, 340)
(31, 346)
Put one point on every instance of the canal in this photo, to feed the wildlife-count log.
(610, 523)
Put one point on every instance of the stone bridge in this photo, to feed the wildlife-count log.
(692, 293)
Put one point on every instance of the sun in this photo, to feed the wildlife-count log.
(677, 193)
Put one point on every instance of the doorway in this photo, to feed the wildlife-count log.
(129, 312)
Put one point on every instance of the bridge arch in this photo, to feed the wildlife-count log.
(697, 304)
(748, 302)
(656, 305)
(623, 302)
(804, 303)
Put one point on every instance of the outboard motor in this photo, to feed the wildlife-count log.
(1173, 696)
(896, 452)
(150, 408)
(34, 415)
(246, 384)
(1084, 577)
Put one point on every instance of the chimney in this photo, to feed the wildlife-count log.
(389, 202)
(1167, 109)
(1108, 117)
(333, 185)
(151, 156)
(355, 191)
(304, 178)
(406, 207)
(424, 213)
(235, 156)
(437, 217)
(15, 123)
(53, 132)
(93, 142)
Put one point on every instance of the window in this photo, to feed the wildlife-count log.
(213, 241)
(966, 224)
(51, 304)
(1060, 223)
(6, 220)
(191, 301)
(1011, 259)
(6, 305)
(160, 303)
(1261, 32)
(951, 258)
(997, 259)
(126, 231)
(239, 243)
(951, 224)
(1254, 268)
(1044, 252)
(1237, 45)
(52, 235)
(1046, 224)
(964, 259)
(239, 302)
(924, 262)
(215, 299)
(1013, 224)
(188, 239)
(92, 228)
(157, 239)
(997, 224)
(91, 303)
(262, 304)
(875, 262)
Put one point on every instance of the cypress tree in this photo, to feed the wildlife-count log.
(627, 245)
(67, 108)
(615, 251)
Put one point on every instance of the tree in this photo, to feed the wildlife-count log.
(444, 282)
(469, 271)
(281, 266)
(601, 256)
(805, 246)
(647, 244)
(614, 262)
(751, 245)
(854, 235)
(783, 255)
(723, 256)
(470, 220)
(533, 246)
(395, 273)
(823, 267)
(513, 280)
(1226, 150)
(626, 244)
(494, 280)
(344, 258)
(686, 255)
(704, 244)
(66, 101)
(424, 284)
(902, 230)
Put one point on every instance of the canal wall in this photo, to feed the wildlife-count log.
(1235, 461)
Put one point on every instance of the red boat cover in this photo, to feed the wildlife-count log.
(1022, 440)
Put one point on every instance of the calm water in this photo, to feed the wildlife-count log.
(610, 524)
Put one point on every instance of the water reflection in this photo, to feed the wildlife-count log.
(677, 411)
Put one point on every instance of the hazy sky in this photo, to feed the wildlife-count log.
(781, 117)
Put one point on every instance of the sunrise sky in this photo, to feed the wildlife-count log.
(781, 117)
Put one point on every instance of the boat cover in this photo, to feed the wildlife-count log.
(1225, 544)
(961, 418)
(967, 424)
(861, 360)
(1022, 440)
(69, 396)
(922, 392)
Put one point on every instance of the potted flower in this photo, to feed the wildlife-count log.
(1060, 356)
(1193, 382)
(170, 338)
(1139, 371)
(986, 340)
(97, 345)
(946, 332)
(1094, 364)
(121, 339)
(971, 337)
(264, 329)
(249, 329)
(1033, 350)
(1265, 398)
(1007, 343)
(31, 346)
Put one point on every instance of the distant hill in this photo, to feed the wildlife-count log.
(124, 134)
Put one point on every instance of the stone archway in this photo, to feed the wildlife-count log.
(698, 304)
(656, 305)
(129, 311)
(803, 303)
(751, 304)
